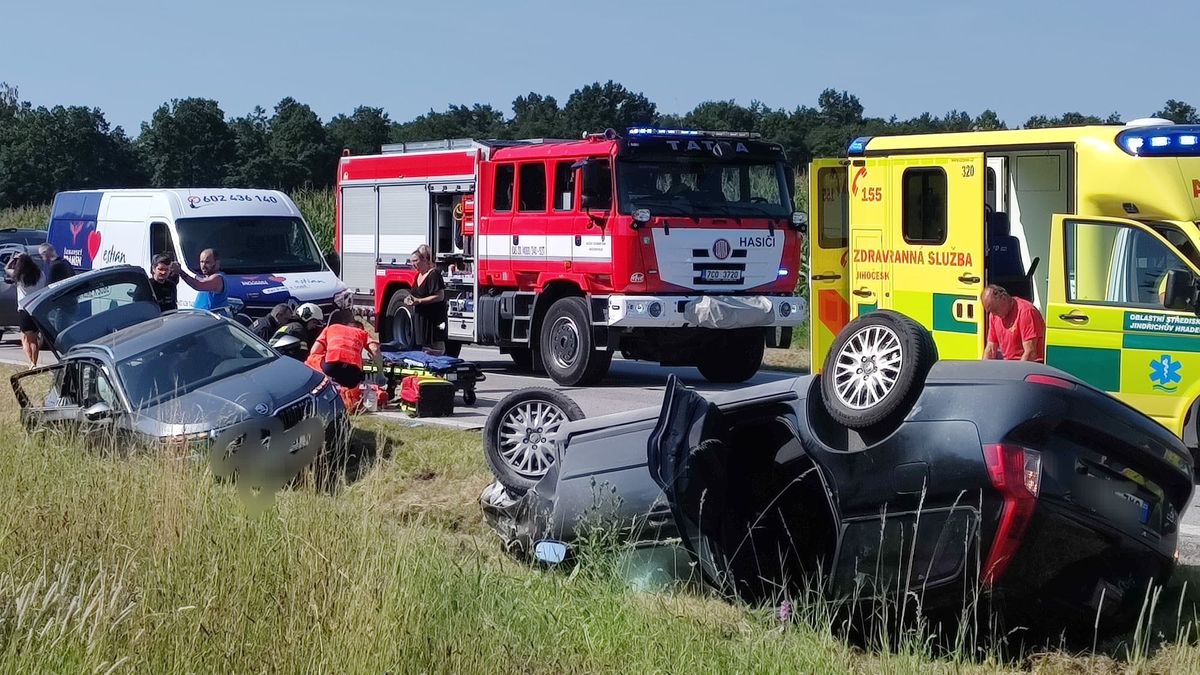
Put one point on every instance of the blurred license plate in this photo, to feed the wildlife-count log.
(721, 275)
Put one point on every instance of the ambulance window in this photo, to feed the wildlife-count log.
(1117, 265)
(925, 202)
(504, 187)
(533, 187)
(834, 212)
(564, 187)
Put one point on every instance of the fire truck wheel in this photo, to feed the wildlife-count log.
(518, 435)
(568, 354)
(453, 348)
(737, 360)
(876, 368)
(399, 324)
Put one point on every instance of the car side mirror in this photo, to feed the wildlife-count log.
(1180, 291)
(98, 412)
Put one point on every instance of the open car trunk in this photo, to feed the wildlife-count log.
(91, 305)
(752, 507)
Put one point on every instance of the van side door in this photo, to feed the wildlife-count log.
(1106, 320)
(828, 254)
(869, 275)
(936, 204)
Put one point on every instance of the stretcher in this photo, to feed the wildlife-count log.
(397, 365)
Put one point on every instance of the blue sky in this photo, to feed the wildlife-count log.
(1019, 58)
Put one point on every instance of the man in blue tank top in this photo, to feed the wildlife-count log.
(209, 284)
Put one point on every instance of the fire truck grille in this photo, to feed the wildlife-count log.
(718, 273)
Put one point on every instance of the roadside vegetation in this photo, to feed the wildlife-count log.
(145, 564)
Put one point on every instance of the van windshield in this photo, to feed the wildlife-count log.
(251, 244)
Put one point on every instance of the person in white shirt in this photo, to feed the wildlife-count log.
(28, 277)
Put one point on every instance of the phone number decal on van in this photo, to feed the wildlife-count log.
(197, 201)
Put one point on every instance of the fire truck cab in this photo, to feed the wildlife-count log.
(675, 246)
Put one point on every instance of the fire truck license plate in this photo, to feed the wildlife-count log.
(722, 275)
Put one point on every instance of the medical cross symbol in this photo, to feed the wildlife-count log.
(1165, 370)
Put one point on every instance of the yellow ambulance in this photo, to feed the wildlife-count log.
(1098, 226)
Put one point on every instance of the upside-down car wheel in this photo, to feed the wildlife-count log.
(517, 436)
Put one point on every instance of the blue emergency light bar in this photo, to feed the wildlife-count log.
(652, 131)
(1176, 140)
(858, 146)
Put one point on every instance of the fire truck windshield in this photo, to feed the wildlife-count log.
(251, 244)
(700, 187)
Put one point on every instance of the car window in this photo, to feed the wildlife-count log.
(188, 362)
(69, 309)
(1117, 265)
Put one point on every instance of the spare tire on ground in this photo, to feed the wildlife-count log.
(876, 369)
(515, 435)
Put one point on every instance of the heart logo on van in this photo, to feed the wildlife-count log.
(93, 244)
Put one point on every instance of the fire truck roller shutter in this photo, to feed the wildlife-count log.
(359, 211)
(403, 221)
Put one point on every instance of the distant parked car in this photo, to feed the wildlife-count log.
(137, 375)
(21, 235)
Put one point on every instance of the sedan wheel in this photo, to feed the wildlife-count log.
(518, 435)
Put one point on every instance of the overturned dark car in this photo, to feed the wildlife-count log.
(1010, 482)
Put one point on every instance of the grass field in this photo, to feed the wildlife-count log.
(143, 564)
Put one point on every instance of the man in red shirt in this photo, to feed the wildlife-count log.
(1016, 330)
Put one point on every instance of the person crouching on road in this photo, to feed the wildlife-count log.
(27, 277)
(267, 326)
(337, 352)
(1016, 330)
(304, 325)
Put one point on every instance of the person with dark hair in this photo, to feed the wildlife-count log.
(279, 316)
(57, 267)
(27, 277)
(1016, 330)
(211, 292)
(428, 303)
(164, 283)
(337, 352)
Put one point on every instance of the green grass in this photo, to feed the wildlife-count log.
(145, 564)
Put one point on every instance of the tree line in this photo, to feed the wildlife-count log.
(192, 141)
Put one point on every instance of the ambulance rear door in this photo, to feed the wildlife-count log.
(828, 250)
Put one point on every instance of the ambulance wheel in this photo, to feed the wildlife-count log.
(567, 352)
(516, 432)
(876, 368)
(735, 359)
(399, 323)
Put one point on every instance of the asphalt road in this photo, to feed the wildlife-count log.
(629, 385)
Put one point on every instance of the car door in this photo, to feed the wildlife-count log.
(1106, 322)
(91, 305)
(828, 267)
(75, 395)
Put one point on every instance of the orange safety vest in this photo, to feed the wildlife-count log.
(342, 344)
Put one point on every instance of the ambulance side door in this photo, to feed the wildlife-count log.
(936, 203)
(828, 254)
(1106, 319)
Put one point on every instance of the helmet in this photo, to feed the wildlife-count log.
(308, 312)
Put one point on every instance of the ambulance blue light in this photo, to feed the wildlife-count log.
(1175, 140)
(859, 145)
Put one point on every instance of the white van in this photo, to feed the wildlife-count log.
(267, 251)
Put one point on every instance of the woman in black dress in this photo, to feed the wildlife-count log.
(428, 303)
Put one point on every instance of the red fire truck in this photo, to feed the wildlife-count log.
(676, 246)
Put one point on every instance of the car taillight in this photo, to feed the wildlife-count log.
(1016, 473)
(1050, 380)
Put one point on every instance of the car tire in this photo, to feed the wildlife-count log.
(875, 369)
(513, 435)
(567, 352)
(399, 319)
(737, 360)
